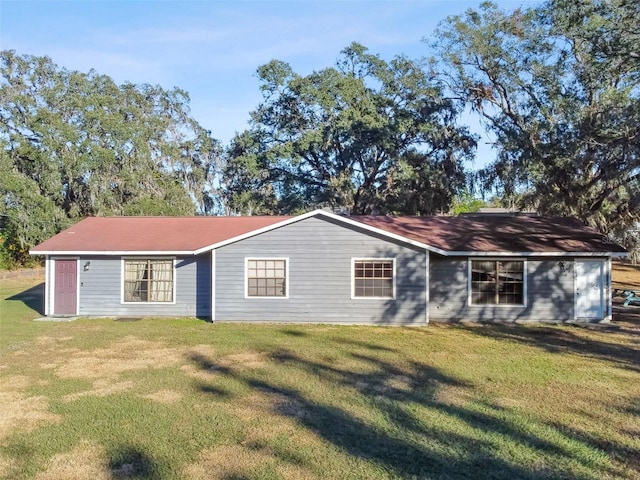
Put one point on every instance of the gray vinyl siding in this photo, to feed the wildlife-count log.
(100, 289)
(320, 253)
(550, 293)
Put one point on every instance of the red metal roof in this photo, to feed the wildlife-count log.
(151, 234)
(497, 233)
(465, 233)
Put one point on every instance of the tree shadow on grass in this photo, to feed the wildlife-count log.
(624, 454)
(563, 340)
(422, 435)
(392, 388)
(366, 345)
(205, 364)
(128, 462)
(33, 298)
(293, 332)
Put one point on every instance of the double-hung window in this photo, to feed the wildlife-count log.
(497, 282)
(148, 280)
(373, 278)
(266, 277)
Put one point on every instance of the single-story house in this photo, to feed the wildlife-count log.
(323, 267)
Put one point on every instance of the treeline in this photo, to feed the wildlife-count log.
(557, 85)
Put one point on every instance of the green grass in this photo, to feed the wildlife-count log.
(181, 398)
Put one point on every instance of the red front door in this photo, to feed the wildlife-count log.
(65, 295)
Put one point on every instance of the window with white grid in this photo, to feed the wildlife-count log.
(373, 278)
(266, 277)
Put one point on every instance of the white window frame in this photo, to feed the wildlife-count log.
(246, 278)
(141, 258)
(353, 277)
(525, 275)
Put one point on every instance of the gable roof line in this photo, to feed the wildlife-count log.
(319, 212)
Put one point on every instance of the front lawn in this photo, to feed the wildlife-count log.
(181, 398)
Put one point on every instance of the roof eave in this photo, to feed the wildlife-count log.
(112, 252)
(537, 254)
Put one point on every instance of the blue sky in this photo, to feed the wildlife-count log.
(212, 49)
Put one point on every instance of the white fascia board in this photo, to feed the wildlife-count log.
(324, 213)
(133, 253)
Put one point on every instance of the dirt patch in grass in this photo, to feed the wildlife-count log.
(86, 460)
(127, 355)
(105, 366)
(165, 396)
(23, 413)
(227, 461)
(101, 388)
(274, 428)
(235, 461)
(15, 382)
(7, 466)
(243, 361)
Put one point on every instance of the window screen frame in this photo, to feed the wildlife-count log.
(267, 297)
(174, 280)
(353, 278)
(495, 261)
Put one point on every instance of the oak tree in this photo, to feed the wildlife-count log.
(366, 136)
(77, 144)
(559, 87)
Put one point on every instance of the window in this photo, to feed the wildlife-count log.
(495, 282)
(148, 280)
(267, 277)
(373, 278)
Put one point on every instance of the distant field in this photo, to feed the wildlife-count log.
(180, 398)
